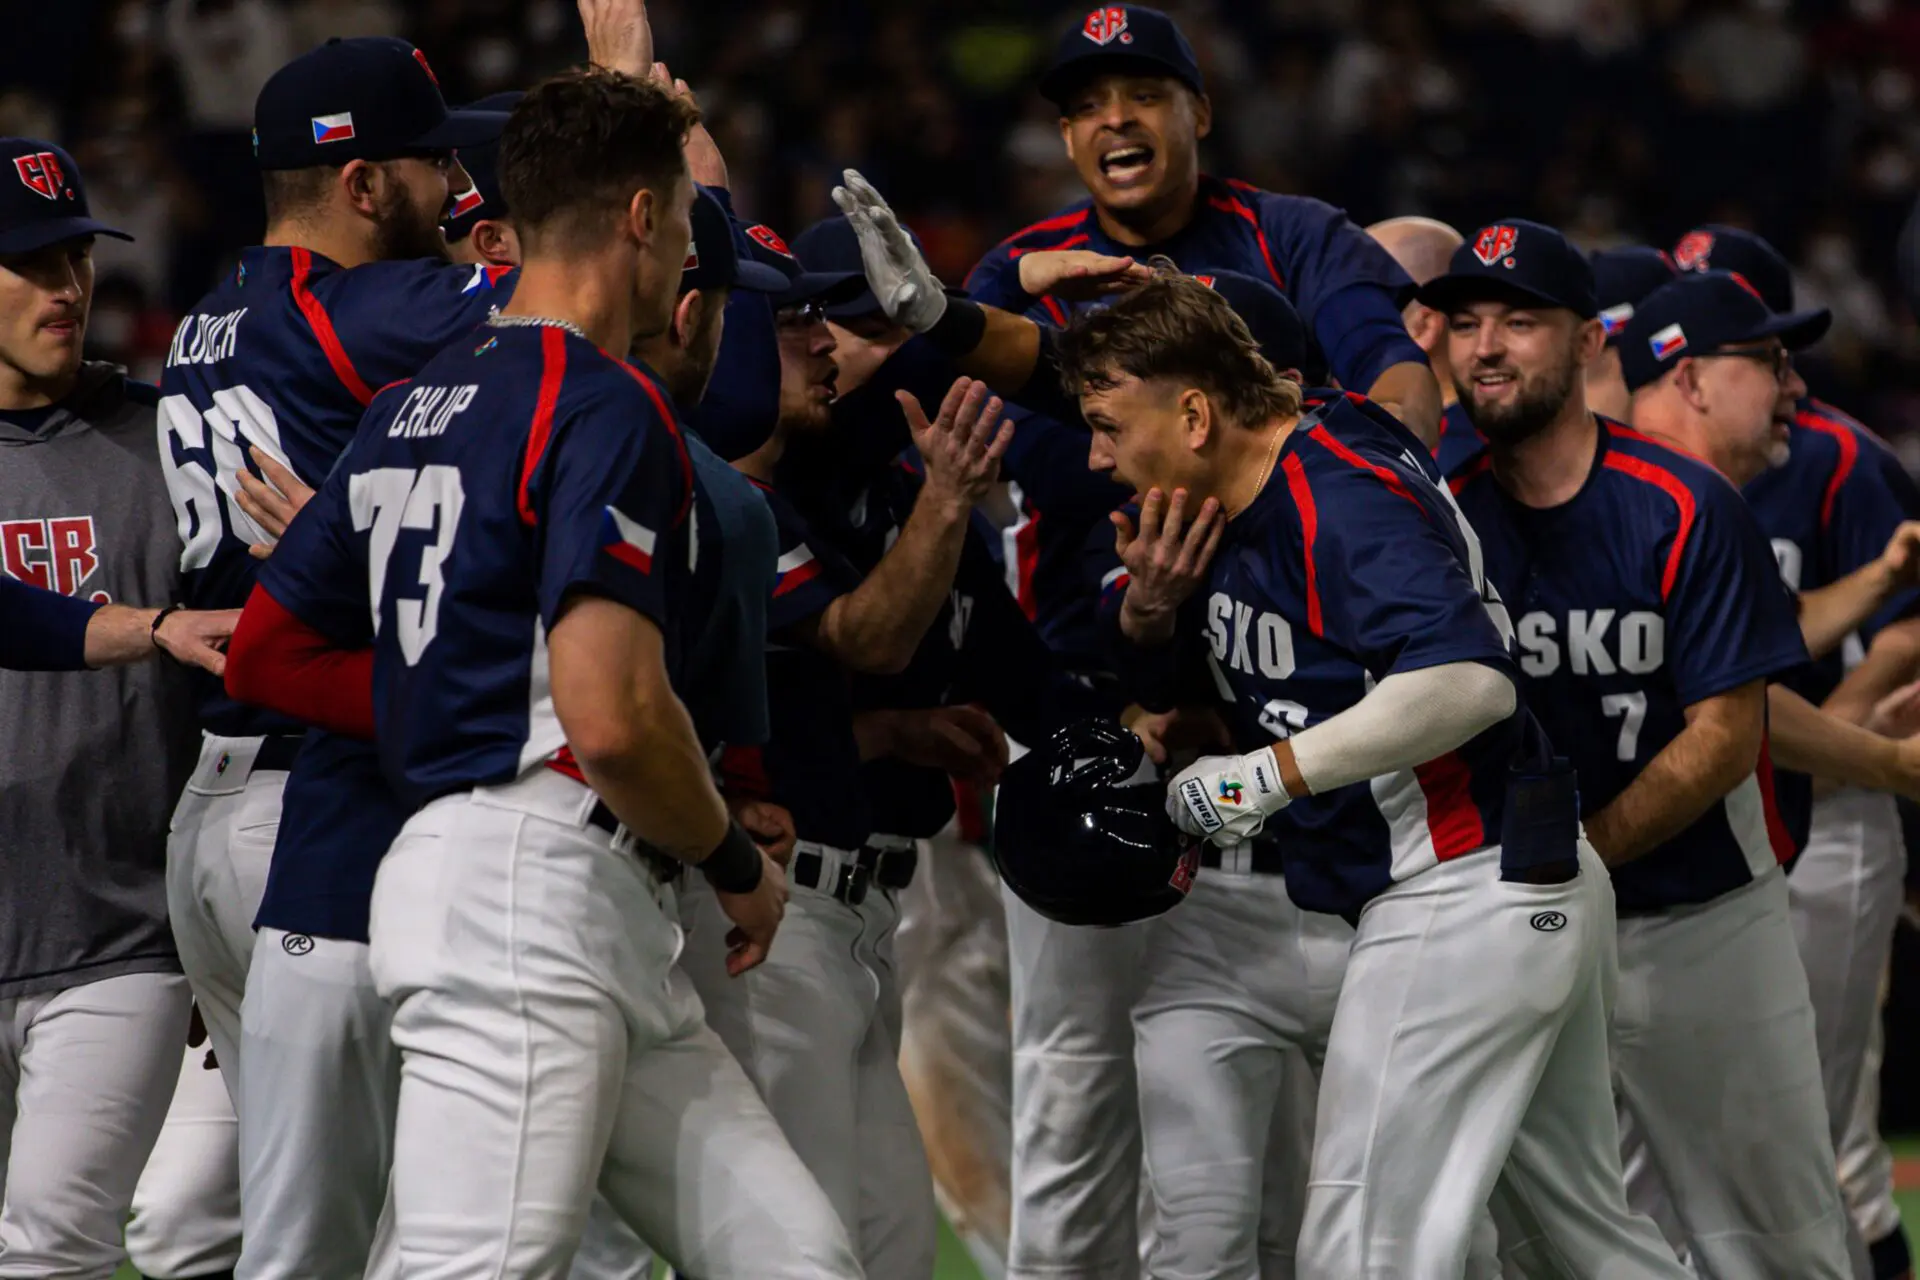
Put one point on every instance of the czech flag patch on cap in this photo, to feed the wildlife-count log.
(333, 128)
(1614, 319)
(1667, 342)
(464, 204)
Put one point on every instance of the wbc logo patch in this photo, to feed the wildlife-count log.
(1667, 342)
(1694, 251)
(1495, 243)
(42, 174)
(1104, 26)
(336, 128)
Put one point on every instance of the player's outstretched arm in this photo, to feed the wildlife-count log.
(1719, 747)
(1809, 740)
(1829, 614)
(1411, 393)
(636, 745)
(1893, 660)
(1409, 718)
(619, 35)
(877, 626)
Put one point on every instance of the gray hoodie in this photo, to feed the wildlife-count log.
(91, 762)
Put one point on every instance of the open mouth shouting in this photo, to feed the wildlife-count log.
(1127, 164)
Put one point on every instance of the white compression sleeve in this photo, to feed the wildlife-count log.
(1411, 717)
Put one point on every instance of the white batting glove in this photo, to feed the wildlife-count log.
(898, 274)
(1227, 799)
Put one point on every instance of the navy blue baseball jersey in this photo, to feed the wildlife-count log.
(1351, 565)
(284, 355)
(516, 471)
(810, 764)
(1460, 440)
(1651, 590)
(1345, 286)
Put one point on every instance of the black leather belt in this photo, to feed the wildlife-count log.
(849, 885)
(1265, 861)
(666, 869)
(890, 868)
(276, 752)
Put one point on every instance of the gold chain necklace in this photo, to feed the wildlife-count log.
(1266, 473)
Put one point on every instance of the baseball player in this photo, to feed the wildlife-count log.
(93, 1008)
(1370, 682)
(1621, 278)
(1648, 664)
(282, 357)
(614, 1081)
(1423, 247)
(1831, 510)
(1133, 109)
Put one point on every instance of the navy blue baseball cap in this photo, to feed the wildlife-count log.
(1515, 259)
(1714, 247)
(1700, 314)
(41, 199)
(1275, 325)
(806, 282)
(1120, 37)
(482, 162)
(365, 98)
(1621, 278)
(718, 258)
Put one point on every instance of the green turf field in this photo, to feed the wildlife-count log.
(955, 1265)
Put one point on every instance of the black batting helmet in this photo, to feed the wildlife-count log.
(1081, 833)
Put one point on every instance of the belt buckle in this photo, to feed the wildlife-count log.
(851, 885)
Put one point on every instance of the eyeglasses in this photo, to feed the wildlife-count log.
(807, 313)
(1779, 357)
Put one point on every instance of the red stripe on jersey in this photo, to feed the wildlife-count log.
(1026, 560)
(553, 367)
(1230, 204)
(1309, 526)
(1770, 804)
(563, 763)
(794, 579)
(1669, 483)
(1326, 438)
(322, 325)
(743, 772)
(1849, 455)
(628, 554)
(1478, 467)
(1054, 309)
(1453, 820)
(665, 410)
(1071, 242)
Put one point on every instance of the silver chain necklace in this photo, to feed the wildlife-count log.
(523, 322)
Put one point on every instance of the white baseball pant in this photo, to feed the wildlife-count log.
(186, 1208)
(956, 1049)
(1845, 895)
(1866, 1164)
(85, 1078)
(1712, 1027)
(817, 1028)
(1076, 1109)
(321, 1084)
(219, 847)
(1240, 992)
(549, 1045)
(1468, 1055)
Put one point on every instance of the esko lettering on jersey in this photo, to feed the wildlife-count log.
(203, 339)
(426, 411)
(1593, 642)
(1253, 643)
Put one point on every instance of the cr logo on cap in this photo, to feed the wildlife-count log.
(42, 173)
(1495, 243)
(1693, 251)
(1104, 26)
(770, 238)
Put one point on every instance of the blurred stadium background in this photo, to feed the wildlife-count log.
(1618, 120)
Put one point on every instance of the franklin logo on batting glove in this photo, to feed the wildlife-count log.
(1227, 798)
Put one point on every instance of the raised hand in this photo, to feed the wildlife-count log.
(704, 162)
(897, 271)
(619, 37)
(271, 503)
(963, 444)
(1079, 275)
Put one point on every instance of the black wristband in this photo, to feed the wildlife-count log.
(153, 632)
(959, 330)
(734, 866)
